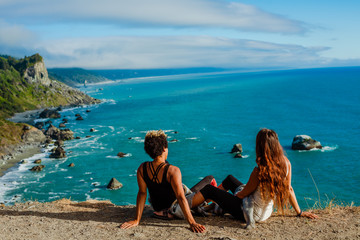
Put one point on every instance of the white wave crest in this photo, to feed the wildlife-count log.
(329, 148)
(323, 149)
(192, 138)
(95, 183)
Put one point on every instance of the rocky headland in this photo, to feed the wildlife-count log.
(26, 90)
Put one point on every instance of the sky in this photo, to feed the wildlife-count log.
(148, 34)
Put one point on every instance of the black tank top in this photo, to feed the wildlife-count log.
(162, 195)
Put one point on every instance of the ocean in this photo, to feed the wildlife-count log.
(207, 114)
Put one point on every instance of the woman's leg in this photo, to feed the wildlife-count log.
(230, 183)
(200, 185)
(227, 201)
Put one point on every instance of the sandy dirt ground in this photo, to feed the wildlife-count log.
(64, 219)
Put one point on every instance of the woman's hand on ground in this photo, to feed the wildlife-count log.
(129, 224)
(309, 215)
(197, 228)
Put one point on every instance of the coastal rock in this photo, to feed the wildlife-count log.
(66, 134)
(88, 111)
(114, 184)
(237, 148)
(33, 135)
(47, 113)
(71, 165)
(59, 143)
(238, 155)
(88, 136)
(39, 125)
(92, 130)
(37, 161)
(58, 153)
(77, 115)
(48, 122)
(65, 120)
(77, 137)
(62, 125)
(26, 128)
(53, 132)
(48, 140)
(305, 142)
(174, 140)
(37, 168)
(121, 154)
(57, 134)
(79, 118)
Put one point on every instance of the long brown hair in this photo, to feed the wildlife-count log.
(273, 172)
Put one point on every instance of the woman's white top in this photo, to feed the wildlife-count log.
(262, 208)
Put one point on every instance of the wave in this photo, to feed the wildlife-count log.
(165, 131)
(95, 190)
(108, 101)
(96, 184)
(10, 180)
(323, 149)
(329, 148)
(117, 157)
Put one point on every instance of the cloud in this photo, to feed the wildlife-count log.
(175, 52)
(154, 13)
(13, 35)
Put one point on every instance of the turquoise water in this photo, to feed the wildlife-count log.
(210, 112)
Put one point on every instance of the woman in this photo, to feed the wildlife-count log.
(163, 182)
(269, 182)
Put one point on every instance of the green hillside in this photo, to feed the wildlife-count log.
(24, 85)
(75, 76)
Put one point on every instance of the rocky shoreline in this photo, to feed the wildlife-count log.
(18, 153)
(34, 140)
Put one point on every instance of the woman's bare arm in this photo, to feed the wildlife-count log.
(293, 200)
(140, 201)
(251, 185)
(176, 183)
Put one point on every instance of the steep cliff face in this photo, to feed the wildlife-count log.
(37, 74)
(25, 85)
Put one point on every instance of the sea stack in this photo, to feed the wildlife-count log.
(114, 184)
(237, 148)
(305, 142)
